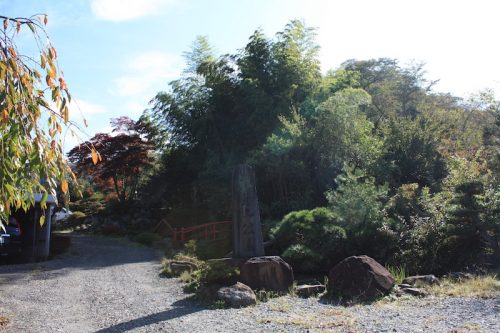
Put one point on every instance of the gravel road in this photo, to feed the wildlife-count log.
(104, 285)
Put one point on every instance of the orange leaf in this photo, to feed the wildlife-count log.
(94, 156)
(49, 81)
(5, 116)
(64, 186)
(62, 84)
(45, 20)
(52, 71)
(12, 52)
(18, 26)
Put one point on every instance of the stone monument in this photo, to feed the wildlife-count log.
(247, 229)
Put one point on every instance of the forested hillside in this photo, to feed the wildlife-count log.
(365, 159)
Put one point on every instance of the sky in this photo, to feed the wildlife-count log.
(116, 55)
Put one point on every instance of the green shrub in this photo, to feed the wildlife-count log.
(190, 247)
(300, 226)
(191, 281)
(208, 278)
(299, 255)
(310, 240)
(218, 272)
(358, 205)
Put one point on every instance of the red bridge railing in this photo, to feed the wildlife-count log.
(202, 231)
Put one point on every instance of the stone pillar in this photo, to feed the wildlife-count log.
(247, 229)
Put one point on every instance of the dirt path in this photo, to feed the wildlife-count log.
(102, 285)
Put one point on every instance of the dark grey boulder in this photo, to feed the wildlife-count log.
(267, 273)
(359, 278)
(237, 295)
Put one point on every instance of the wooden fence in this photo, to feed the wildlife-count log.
(202, 231)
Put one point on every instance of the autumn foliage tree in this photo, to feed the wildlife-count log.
(121, 157)
(34, 103)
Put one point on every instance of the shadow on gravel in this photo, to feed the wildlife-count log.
(87, 253)
(181, 308)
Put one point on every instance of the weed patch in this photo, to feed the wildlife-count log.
(487, 286)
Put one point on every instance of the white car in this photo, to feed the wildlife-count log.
(62, 214)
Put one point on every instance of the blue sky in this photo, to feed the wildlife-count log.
(117, 54)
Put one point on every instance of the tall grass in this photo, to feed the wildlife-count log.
(399, 273)
(487, 286)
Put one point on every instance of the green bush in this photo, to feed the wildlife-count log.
(208, 278)
(190, 247)
(419, 221)
(358, 205)
(220, 273)
(310, 240)
(299, 255)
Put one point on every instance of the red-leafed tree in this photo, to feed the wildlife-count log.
(121, 156)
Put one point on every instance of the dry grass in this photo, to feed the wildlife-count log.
(487, 286)
(4, 320)
(313, 324)
(328, 320)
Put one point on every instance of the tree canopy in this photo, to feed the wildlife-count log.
(123, 156)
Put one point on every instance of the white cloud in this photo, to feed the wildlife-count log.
(81, 108)
(125, 10)
(148, 73)
(85, 108)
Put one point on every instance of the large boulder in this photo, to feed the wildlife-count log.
(237, 295)
(359, 278)
(268, 273)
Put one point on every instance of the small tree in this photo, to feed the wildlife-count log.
(473, 229)
(358, 205)
(34, 102)
(123, 156)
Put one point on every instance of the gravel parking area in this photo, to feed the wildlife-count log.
(106, 285)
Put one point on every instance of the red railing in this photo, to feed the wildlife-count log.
(204, 231)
